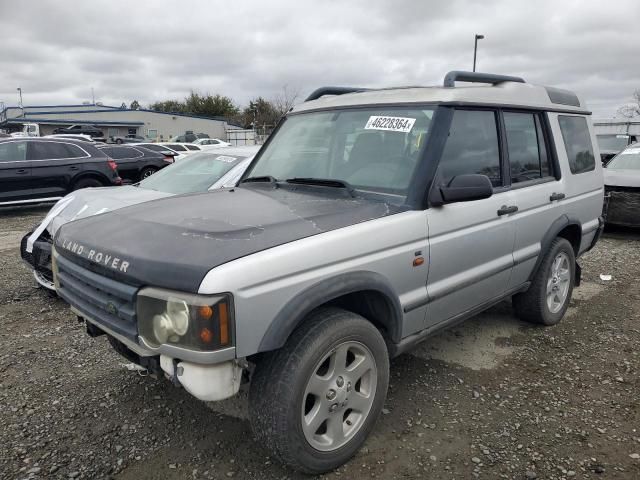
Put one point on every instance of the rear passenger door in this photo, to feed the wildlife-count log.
(54, 166)
(130, 161)
(470, 243)
(536, 184)
(15, 171)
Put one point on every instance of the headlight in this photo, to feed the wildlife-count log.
(197, 322)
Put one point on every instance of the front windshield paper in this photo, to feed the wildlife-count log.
(390, 124)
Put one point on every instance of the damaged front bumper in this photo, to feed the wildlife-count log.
(39, 259)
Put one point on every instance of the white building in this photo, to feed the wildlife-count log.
(114, 121)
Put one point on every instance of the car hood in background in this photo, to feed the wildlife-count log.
(92, 201)
(621, 178)
(174, 242)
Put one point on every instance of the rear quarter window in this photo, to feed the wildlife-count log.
(577, 143)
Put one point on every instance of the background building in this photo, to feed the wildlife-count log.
(114, 121)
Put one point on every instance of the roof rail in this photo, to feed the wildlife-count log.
(322, 91)
(454, 76)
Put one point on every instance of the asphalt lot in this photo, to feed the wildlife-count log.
(493, 398)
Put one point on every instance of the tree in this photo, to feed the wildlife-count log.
(203, 105)
(285, 99)
(631, 110)
(123, 106)
(135, 105)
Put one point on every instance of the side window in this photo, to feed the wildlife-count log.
(53, 151)
(472, 146)
(192, 147)
(177, 148)
(13, 151)
(577, 143)
(528, 157)
(73, 151)
(124, 152)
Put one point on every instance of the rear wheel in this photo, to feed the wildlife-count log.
(315, 401)
(147, 172)
(87, 183)
(548, 297)
(119, 141)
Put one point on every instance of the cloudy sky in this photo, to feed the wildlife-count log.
(157, 50)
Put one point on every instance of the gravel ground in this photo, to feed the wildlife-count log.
(493, 398)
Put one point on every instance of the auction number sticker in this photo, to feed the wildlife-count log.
(391, 124)
(226, 159)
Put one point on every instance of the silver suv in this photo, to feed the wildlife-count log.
(370, 220)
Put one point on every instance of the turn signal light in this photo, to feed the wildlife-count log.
(224, 324)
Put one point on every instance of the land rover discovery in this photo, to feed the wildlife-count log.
(369, 220)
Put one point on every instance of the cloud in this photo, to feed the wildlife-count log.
(156, 50)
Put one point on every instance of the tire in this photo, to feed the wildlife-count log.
(534, 305)
(147, 172)
(119, 141)
(87, 183)
(280, 398)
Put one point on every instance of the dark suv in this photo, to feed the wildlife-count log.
(81, 129)
(136, 163)
(34, 170)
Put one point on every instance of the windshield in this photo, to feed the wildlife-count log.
(373, 149)
(626, 160)
(612, 143)
(196, 173)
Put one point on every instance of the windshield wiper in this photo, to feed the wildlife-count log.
(263, 178)
(323, 182)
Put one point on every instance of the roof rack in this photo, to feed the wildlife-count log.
(454, 76)
(322, 91)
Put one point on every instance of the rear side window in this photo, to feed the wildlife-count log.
(54, 150)
(123, 152)
(177, 148)
(528, 157)
(13, 151)
(472, 147)
(577, 143)
(192, 147)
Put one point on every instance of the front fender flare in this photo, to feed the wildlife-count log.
(294, 312)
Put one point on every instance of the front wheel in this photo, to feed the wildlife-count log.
(315, 401)
(548, 297)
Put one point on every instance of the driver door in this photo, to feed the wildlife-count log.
(471, 243)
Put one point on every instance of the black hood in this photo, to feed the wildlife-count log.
(174, 242)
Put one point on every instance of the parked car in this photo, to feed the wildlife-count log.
(127, 139)
(90, 130)
(198, 173)
(622, 185)
(211, 143)
(136, 163)
(369, 220)
(188, 137)
(79, 137)
(612, 144)
(182, 148)
(35, 170)
(163, 148)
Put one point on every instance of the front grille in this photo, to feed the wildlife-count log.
(105, 301)
(623, 206)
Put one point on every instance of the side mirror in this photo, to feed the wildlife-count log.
(465, 188)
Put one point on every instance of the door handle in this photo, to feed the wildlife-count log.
(74, 168)
(22, 171)
(556, 196)
(506, 210)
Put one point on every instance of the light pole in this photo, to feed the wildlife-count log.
(21, 105)
(475, 50)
